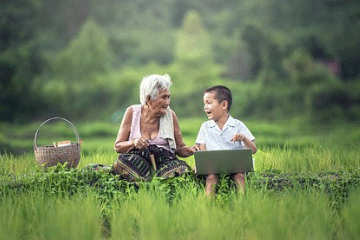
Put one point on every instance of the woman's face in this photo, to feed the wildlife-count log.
(160, 104)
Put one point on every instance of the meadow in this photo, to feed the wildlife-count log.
(306, 185)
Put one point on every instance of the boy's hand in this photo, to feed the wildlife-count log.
(247, 142)
(238, 137)
(196, 148)
(193, 149)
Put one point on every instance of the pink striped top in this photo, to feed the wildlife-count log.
(135, 130)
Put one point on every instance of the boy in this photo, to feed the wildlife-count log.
(222, 132)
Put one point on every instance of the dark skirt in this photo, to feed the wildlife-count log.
(138, 165)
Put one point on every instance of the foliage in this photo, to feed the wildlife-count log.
(58, 180)
(192, 43)
(351, 214)
(337, 184)
(330, 104)
(86, 55)
(305, 184)
(60, 57)
(20, 60)
(164, 207)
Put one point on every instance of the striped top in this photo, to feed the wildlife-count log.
(135, 130)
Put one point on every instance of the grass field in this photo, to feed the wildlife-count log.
(306, 185)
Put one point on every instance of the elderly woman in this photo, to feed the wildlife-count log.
(149, 137)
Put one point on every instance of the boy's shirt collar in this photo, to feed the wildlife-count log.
(229, 122)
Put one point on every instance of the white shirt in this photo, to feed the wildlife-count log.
(216, 139)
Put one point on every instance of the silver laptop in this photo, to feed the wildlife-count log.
(223, 161)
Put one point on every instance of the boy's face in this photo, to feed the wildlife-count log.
(213, 108)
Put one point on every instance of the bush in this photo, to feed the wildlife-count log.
(87, 54)
(193, 42)
(304, 71)
(327, 103)
(273, 102)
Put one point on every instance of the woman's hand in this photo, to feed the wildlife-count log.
(186, 151)
(141, 143)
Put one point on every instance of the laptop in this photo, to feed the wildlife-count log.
(223, 161)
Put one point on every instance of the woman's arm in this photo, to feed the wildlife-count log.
(122, 143)
(181, 149)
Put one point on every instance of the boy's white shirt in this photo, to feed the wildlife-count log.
(216, 139)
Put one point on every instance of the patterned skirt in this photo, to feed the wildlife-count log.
(144, 164)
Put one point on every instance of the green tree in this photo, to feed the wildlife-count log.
(20, 59)
(193, 43)
(336, 24)
(87, 54)
(193, 54)
(63, 19)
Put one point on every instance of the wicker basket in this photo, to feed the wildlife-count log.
(47, 156)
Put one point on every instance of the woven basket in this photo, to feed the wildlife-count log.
(47, 156)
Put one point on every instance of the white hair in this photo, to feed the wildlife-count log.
(150, 86)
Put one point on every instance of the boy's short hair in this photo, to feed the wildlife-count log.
(222, 94)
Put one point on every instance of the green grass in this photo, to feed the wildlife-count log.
(306, 185)
(301, 215)
(39, 216)
(148, 214)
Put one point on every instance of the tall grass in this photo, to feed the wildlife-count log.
(39, 216)
(170, 209)
(314, 157)
(36, 204)
(16, 165)
(148, 214)
(350, 218)
(290, 215)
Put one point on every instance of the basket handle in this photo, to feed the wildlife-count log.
(72, 126)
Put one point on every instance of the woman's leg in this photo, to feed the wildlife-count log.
(211, 181)
(132, 167)
(172, 168)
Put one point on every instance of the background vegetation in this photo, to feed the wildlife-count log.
(85, 59)
(305, 185)
(293, 67)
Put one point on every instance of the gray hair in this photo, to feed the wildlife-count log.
(149, 86)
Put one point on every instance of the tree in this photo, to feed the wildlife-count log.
(193, 42)
(20, 59)
(87, 54)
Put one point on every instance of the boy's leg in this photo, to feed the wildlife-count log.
(239, 179)
(211, 181)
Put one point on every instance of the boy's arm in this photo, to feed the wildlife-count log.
(247, 142)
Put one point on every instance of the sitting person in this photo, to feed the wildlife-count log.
(222, 132)
(149, 137)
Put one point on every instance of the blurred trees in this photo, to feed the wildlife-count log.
(193, 42)
(20, 60)
(281, 57)
(86, 54)
(293, 49)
